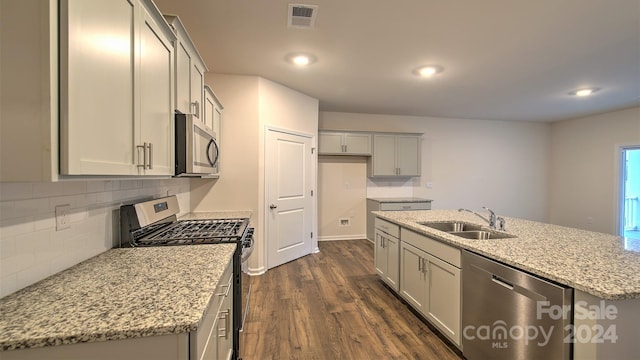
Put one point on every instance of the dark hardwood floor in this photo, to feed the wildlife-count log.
(331, 305)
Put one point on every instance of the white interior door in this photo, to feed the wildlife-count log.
(290, 207)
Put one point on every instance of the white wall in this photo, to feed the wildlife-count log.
(471, 163)
(237, 187)
(250, 105)
(342, 193)
(584, 168)
(31, 248)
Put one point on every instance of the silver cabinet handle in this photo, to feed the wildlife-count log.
(419, 263)
(273, 206)
(225, 313)
(196, 107)
(144, 155)
(424, 264)
(150, 166)
(224, 293)
(147, 155)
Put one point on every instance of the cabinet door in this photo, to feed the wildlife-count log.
(392, 276)
(97, 135)
(156, 110)
(357, 144)
(197, 89)
(384, 155)
(225, 327)
(413, 276)
(210, 351)
(408, 155)
(329, 143)
(443, 303)
(183, 78)
(212, 112)
(217, 122)
(380, 254)
(209, 106)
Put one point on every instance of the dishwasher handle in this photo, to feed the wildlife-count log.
(496, 279)
(518, 289)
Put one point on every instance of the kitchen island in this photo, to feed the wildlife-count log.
(148, 295)
(603, 270)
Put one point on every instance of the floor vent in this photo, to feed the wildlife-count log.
(302, 16)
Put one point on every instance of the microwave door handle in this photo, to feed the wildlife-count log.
(215, 159)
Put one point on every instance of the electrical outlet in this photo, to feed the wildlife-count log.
(63, 217)
(429, 185)
(345, 222)
(589, 220)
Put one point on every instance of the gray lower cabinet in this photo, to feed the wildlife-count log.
(386, 253)
(430, 280)
(392, 204)
(214, 339)
(431, 286)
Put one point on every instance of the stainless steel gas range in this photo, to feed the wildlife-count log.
(155, 223)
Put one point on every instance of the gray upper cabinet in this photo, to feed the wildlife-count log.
(396, 155)
(116, 111)
(212, 112)
(344, 143)
(190, 69)
(101, 105)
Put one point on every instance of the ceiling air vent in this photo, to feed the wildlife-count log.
(302, 16)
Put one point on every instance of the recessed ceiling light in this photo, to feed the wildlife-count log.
(301, 59)
(428, 70)
(584, 91)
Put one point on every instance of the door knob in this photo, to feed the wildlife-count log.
(273, 206)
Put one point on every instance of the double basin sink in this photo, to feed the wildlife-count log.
(467, 230)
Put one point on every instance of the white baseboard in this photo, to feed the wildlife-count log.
(256, 272)
(342, 237)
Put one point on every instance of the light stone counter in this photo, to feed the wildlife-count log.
(602, 265)
(119, 294)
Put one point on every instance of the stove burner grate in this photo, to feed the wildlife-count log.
(198, 232)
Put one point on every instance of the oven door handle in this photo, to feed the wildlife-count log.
(215, 145)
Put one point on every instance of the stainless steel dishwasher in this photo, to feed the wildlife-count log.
(510, 314)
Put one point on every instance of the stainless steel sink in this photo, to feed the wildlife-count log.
(466, 230)
(451, 226)
(481, 235)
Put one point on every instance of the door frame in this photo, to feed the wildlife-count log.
(264, 199)
(619, 184)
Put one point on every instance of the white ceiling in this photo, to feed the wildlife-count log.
(502, 59)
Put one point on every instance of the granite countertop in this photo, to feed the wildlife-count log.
(600, 264)
(400, 199)
(119, 294)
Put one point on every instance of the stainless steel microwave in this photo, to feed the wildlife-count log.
(197, 151)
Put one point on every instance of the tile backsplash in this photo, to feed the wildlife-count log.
(30, 247)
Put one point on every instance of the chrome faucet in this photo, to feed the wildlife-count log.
(502, 223)
(491, 220)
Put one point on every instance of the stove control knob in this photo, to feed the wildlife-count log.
(273, 206)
